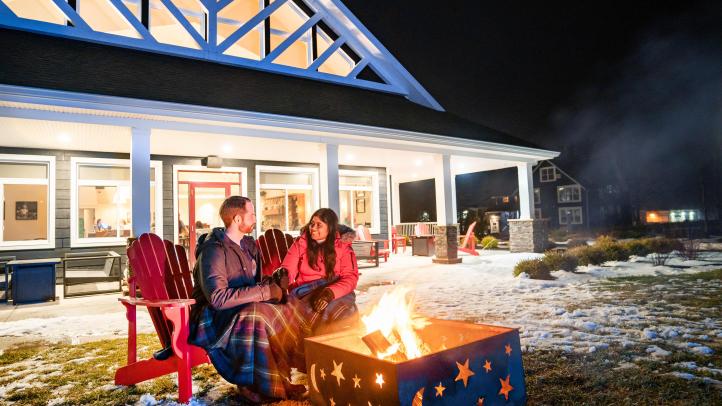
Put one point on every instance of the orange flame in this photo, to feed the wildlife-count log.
(394, 317)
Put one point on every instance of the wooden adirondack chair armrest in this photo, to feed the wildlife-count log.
(157, 303)
(384, 242)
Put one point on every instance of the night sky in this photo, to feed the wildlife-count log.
(631, 94)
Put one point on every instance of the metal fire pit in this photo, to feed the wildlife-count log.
(470, 364)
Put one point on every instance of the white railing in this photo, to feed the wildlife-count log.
(425, 228)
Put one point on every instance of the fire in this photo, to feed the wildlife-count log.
(394, 318)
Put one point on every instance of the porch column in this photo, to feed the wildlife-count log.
(329, 177)
(395, 206)
(140, 180)
(526, 190)
(446, 236)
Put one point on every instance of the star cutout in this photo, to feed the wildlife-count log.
(323, 374)
(356, 381)
(505, 387)
(464, 372)
(480, 401)
(331, 402)
(487, 366)
(337, 372)
(507, 349)
(380, 380)
(440, 390)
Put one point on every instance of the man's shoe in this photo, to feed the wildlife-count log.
(164, 354)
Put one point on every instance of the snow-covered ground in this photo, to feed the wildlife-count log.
(570, 313)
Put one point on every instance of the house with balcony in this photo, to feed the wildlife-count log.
(121, 117)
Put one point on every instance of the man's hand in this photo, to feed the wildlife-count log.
(320, 300)
(280, 277)
(276, 293)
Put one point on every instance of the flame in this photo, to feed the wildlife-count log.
(394, 317)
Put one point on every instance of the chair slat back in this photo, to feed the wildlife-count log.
(468, 235)
(363, 233)
(273, 245)
(178, 280)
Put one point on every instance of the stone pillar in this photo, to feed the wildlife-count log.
(446, 241)
(528, 235)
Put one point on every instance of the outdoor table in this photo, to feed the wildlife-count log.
(33, 279)
(423, 245)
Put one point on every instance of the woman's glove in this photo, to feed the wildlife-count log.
(321, 299)
(276, 293)
(280, 277)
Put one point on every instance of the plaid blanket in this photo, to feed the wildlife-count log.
(258, 346)
(339, 312)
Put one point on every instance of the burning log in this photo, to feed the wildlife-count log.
(382, 348)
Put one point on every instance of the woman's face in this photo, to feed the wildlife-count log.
(319, 229)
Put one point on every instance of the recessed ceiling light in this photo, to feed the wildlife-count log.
(350, 157)
(419, 162)
(227, 148)
(64, 137)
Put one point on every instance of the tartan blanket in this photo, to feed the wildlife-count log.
(339, 312)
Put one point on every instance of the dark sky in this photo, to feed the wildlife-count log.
(629, 92)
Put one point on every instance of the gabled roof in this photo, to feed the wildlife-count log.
(539, 165)
(299, 38)
(47, 62)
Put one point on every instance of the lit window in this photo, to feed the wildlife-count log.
(537, 196)
(28, 202)
(101, 201)
(102, 16)
(286, 197)
(165, 28)
(570, 215)
(40, 10)
(569, 193)
(548, 174)
(358, 199)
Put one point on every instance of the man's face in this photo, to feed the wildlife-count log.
(246, 221)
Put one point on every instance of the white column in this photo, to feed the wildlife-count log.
(444, 193)
(395, 200)
(140, 180)
(526, 190)
(329, 177)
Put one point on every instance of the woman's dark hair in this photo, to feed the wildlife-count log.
(327, 247)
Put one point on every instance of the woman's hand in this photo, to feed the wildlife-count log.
(320, 300)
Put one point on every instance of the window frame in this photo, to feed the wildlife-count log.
(538, 213)
(572, 222)
(537, 196)
(572, 187)
(544, 170)
(374, 188)
(49, 243)
(314, 187)
(76, 241)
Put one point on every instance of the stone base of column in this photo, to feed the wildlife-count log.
(528, 235)
(446, 241)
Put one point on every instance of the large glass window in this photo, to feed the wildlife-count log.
(27, 199)
(570, 215)
(101, 201)
(548, 174)
(286, 197)
(358, 199)
(569, 193)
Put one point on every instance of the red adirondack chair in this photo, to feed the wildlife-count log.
(468, 245)
(363, 234)
(161, 271)
(274, 245)
(397, 240)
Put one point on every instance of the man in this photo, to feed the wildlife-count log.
(250, 341)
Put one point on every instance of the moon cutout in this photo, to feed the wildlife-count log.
(418, 398)
(313, 377)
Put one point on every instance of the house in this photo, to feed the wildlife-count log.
(129, 116)
(559, 198)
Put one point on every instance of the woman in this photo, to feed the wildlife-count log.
(323, 274)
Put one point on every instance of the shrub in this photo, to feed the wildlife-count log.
(577, 242)
(613, 250)
(489, 242)
(690, 250)
(661, 249)
(558, 235)
(589, 255)
(535, 268)
(563, 260)
(636, 247)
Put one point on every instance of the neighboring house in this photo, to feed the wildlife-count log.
(559, 198)
(113, 115)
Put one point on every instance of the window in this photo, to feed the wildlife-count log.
(537, 213)
(285, 197)
(100, 210)
(570, 215)
(548, 174)
(537, 196)
(359, 199)
(569, 193)
(27, 192)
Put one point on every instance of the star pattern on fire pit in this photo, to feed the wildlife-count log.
(505, 387)
(331, 402)
(440, 390)
(380, 380)
(337, 372)
(507, 349)
(480, 401)
(356, 381)
(487, 366)
(323, 374)
(464, 372)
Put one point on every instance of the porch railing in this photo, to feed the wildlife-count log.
(410, 228)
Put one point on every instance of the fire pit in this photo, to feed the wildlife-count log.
(452, 363)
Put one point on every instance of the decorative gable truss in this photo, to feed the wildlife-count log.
(316, 39)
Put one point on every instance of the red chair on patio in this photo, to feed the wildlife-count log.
(397, 241)
(468, 245)
(273, 245)
(161, 271)
(363, 234)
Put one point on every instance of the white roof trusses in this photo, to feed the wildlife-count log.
(315, 39)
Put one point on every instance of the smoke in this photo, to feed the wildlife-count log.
(652, 124)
